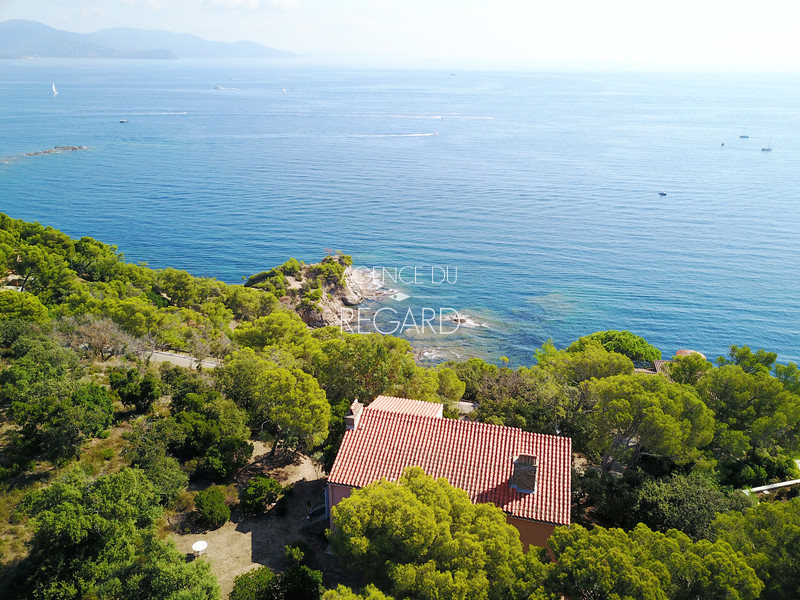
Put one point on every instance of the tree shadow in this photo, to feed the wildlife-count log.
(270, 464)
(271, 532)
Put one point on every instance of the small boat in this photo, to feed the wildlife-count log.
(744, 137)
(662, 193)
(55, 92)
(123, 120)
(283, 90)
(768, 147)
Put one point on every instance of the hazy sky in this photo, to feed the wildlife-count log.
(730, 34)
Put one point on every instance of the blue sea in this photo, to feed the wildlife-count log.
(539, 191)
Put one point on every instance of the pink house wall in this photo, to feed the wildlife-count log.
(531, 533)
(336, 493)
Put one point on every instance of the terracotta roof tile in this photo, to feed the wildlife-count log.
(476, 457)
(406, 406)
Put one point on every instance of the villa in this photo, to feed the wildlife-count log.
(527, 475)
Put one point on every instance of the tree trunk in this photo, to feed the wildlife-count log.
(275, 444)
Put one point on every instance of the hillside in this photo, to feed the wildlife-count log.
(20, 39)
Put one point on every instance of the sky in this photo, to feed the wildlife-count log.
(734, 35)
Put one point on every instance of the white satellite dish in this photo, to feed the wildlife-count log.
(199, 546)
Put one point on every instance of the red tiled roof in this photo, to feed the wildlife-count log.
(406, 406)
(475, 457)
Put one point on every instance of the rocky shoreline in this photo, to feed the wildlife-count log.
(336, 307)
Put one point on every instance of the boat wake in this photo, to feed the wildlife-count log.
(393, 135)
(415, 116)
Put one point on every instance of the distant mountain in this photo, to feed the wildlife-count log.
(20, 38)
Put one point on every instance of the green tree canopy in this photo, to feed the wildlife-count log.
(769, 537)
(474, 372)
(624, 342)
(642, 565)
(134, 388)
(281, 328)
(754, 363)
(687, 503)
(20, 305)
(97, 539)
(363, 367)
(757, 423)
(547, 398)
(688, 369)
(344, 593)
(287, 402)
(295, 408)
(637, 413)
(253, 585)
(211, 433)
(259, 493)
(422, 538)
(147, 449)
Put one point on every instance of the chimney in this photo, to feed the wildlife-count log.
(523, 476)
(353, 415)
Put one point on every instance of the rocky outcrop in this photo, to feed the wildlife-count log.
(335, 307)
(56, 150)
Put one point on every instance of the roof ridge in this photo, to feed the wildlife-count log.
(478, 424)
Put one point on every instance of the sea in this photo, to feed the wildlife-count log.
(538, 205)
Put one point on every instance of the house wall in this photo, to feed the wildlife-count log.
(531, 532)
(335, 494)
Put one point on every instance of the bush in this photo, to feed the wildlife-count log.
(299, 553)
(259, 493)
(134, 389)
(210, 507)
(296, 583)
(299, 583)
(253, 585)
(185, 502)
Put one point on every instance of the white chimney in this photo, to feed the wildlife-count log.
(353, 415)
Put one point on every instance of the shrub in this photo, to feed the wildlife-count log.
(211, 508)
(185, 502)
(299, 553)
(260, 492)
(253, 585)
(134, 389)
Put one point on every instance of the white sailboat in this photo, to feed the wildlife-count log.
(55, 92)
(768, 147)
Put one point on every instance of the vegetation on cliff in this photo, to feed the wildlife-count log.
(98, 440)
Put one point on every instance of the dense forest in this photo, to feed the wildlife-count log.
(101, 445)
